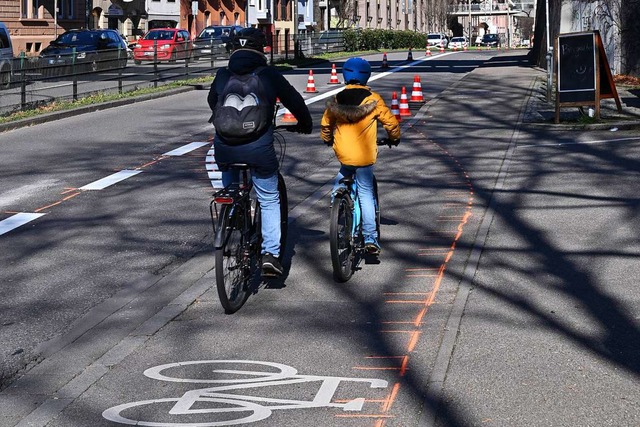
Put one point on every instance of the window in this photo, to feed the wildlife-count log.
(65, 9)
(4, 40)
(32, 9)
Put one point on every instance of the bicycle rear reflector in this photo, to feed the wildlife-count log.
(223, 200)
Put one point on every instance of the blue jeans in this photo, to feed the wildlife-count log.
(364, 178)
(269, 199)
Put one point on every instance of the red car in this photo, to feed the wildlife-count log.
(171, 44)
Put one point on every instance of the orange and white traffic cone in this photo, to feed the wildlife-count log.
(404, 104)
(464, 48)
(416, 93)
(394, 106)
(441, 48)
(311, 83)
(334, 76)
(287, 117)
(384, 61)
(428, 50)
(455, 48)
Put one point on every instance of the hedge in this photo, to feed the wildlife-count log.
(376, 39)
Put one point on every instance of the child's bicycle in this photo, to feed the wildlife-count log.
(346, 240)
(236, 219)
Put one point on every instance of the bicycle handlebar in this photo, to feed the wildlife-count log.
(389, 142)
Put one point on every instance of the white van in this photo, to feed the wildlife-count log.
(6, 56)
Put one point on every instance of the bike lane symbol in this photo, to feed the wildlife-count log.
(227, 409)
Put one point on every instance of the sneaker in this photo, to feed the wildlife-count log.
(270, 265)
(372, 247)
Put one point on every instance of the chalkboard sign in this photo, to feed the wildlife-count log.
(583, 73)
(577, 67)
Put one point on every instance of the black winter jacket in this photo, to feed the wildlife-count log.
(245, 61)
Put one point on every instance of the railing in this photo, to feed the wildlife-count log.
(38, 81)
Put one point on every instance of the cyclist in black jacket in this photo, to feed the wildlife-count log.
(247, 57)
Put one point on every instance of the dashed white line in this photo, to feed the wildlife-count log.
(110, 180)
(186, 149)
(17, 220)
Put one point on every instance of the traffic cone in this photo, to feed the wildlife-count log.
(334, 76)
(384, 61)
(416, 93)
(311, 84)
(428, 51)
(404, 104)
(464, 48)
(287, 117)
(455, 48)
(394, 106)
(410, 55)
(441, 48)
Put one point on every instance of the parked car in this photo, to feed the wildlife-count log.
(6, 57)
(215, 41)
(490, 40)
(94, 50)
(437, 39)
(163, 44)
(458, 43)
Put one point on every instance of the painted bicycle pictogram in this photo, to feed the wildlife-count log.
(224, 408)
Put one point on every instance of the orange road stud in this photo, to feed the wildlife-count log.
(416, 92)
(395, 110)
(404, 104)
(311, 83)
(334, 76)
(384, 61)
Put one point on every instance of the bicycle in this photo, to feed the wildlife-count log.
(346, 240)
(238, 234)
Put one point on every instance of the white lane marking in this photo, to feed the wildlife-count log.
(601, 141)
(224, 405)
(186, 149)
(110, 180)
(17, 220)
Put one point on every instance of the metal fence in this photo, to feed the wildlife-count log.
(37, 81)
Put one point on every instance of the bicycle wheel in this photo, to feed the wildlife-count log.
(284, 214)
(340, 227)
(231, 269)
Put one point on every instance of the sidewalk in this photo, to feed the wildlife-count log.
(548, 331)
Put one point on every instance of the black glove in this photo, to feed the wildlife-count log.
(306, 129)
(298, 128)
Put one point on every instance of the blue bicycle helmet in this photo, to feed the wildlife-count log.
(356, 70)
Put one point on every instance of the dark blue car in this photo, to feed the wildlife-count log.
(84, 51)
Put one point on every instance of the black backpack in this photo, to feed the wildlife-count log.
(243, 112)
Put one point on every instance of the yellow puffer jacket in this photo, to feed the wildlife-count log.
(351, 120)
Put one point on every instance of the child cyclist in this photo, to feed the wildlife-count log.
(350, 125)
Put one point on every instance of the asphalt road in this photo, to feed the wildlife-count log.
(508, 260)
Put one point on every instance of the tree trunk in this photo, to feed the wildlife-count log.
(630, 37)
(538, 53)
